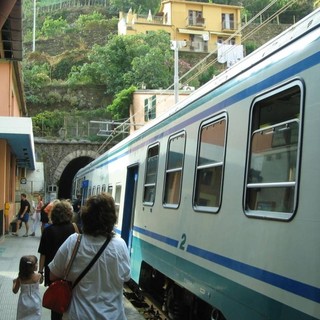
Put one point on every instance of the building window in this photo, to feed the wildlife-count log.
(150, 108)
(165, 18)
(195, 18)
(223, 40)
(228, 22)
(151, 175)
(209, 170)
(174, 167)
(272, 174)
(110, 189)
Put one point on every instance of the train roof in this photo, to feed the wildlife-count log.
(296, 31)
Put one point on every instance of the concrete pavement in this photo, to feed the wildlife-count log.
(12, 248)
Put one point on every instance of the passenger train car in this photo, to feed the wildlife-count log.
(218, 198)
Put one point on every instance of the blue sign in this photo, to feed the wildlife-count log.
(85, 183)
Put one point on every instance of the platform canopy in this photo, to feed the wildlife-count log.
(17, 131)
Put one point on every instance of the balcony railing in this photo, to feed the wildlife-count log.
(196, 46)
(196, 22)
(228, 25)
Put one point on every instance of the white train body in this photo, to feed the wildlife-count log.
(220, 194)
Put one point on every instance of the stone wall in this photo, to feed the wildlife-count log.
(53, 153)
(67, 98)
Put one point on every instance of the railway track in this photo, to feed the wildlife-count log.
(145, 306)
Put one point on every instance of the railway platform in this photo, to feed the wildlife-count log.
(11, 250)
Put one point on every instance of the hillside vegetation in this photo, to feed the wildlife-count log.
(80, 64)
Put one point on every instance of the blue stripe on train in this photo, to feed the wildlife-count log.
(290, 285)
(236, 301)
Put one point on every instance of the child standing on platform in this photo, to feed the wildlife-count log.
(29, 304)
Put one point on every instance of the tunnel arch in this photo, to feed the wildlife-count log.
(67, 169)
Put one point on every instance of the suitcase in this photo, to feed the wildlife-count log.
(13, 225)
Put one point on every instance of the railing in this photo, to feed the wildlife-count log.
(198, 46)
(151, 20)
(79, 128)
(228, 25)
(196, 22)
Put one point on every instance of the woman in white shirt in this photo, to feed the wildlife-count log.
(99, 294)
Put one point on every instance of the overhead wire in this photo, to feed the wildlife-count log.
(277, 13)
(249, 34)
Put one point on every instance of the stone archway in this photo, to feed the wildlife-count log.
(68, 167)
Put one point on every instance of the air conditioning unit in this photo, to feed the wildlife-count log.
(205, 37)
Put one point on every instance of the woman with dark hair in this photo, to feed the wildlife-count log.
(99, 294)
(52, 238)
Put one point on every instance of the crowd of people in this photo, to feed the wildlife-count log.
(61, 223)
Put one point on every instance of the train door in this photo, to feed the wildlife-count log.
(129, 204)
(84, 191)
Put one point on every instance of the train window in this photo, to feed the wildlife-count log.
(151, 175)
(274, 154)
(173, 178)
(104, 188)
(117, 198)
(207, 195)
(110, 189)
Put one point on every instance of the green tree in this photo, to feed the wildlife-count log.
(298, 10)
(35, 77)
(119, 108)
(126, 61)
(138, 6)
(53, 27)
(85, 19)
(154, 69)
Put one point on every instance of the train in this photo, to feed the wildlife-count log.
(217, 198)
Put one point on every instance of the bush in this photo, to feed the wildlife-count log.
(74, 58)
(52, 28)
(53, 97)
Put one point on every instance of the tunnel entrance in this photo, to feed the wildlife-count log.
(65, 182)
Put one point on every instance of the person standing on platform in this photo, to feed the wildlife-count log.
(107, 275)
(77, 210)
(37, 216)
(52, 237)
(29, 303)
(23, 215)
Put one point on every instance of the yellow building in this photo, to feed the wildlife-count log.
(150, 104)
(200, 25)
(16, 135)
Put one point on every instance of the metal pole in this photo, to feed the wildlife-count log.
(176, 73)
(34, 27)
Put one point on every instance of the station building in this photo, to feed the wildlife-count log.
(17, 155)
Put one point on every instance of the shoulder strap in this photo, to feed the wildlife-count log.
(76, 229)
(92, 262)
(74, 252)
